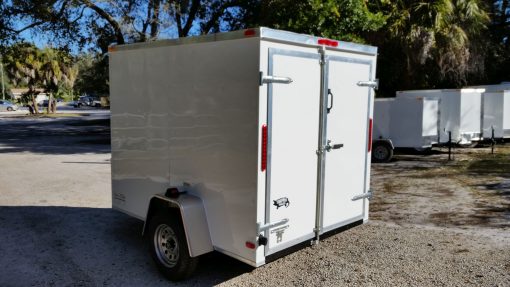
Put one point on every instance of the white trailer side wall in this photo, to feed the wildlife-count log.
(414, 122)
(460, 112)
(496, 114)
(140, 100)
(493, 104)
(382, 118)
(506, 114)
(430, 120)
(202, 100)
(470, 118)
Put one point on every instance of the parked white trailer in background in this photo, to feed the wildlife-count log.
(460, 112)
(267, 132)
(493, 88)
(496, 114)
(404, 123)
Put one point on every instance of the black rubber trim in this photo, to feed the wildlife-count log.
(306, 243)
(341, 229)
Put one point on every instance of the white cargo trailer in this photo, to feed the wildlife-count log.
(496, 114)
(459, 113)
(493, 88)
(404, 123)
(251, 143)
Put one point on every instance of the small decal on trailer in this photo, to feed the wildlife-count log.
(284, 201)
(279, 233)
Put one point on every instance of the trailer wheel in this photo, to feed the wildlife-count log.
(381, 152)
(169, 249)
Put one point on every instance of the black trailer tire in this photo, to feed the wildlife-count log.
(9, 109)
(169, 249)
(381, 152)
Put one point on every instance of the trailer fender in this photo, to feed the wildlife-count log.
(388, 141)
(193, 216)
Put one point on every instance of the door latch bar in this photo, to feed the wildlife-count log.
(264, 227)
(364, 195)
(329, 147)
(371, 84)
(274, 79)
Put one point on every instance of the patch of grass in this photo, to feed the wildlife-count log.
(447, 170)
(496, 164)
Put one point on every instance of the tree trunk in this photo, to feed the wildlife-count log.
(34, 105)
(50, 103)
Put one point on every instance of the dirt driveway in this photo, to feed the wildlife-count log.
(433, 222)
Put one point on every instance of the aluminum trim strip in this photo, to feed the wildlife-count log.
(261, 33)
(272, 34)
(340, 224)
(291, 243)
(223, 36)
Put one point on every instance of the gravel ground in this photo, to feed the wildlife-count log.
(57, 228)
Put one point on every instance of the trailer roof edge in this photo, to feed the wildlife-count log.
(261, 32)
(465, 90)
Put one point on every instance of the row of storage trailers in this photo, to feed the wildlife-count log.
(423, 118)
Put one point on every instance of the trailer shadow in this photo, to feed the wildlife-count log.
(75, 246)
(55, 135)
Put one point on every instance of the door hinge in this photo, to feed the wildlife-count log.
(371, 84)
(364, 195)
(273, 79)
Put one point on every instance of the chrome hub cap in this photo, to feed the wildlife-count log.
(380, 152)
(166, 245)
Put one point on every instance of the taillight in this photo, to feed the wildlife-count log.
(250, 245)
(369, 135)
(328, 42)
(250, 32)
(263, 160)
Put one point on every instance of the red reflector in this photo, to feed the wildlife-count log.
(327, 42)
(250, 32)
(370, 135)
(250, 245)
(263, 160)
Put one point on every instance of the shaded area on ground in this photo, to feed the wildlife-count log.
(55, 135)
(69, 246)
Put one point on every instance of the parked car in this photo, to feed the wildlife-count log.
(87, 101)
(7, 106)
(96, 103)
(43, 103)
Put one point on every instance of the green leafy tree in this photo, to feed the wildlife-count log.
(342, 19)
(430, 44)
(49, 68)
(91, 79)
(23, 62)
(57, 72)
